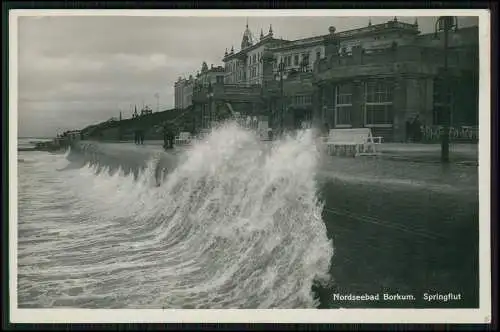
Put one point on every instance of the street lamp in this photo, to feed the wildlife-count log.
(210, 94)
(157, 96)
(446, 24)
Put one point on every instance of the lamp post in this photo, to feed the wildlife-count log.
(157, 96)
(193, 108)
(210, 95)
(446, 24)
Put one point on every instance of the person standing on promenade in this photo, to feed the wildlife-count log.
(168, 135)
(141, 136)
(408, 131)
(415, 129)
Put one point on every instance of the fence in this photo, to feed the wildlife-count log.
(466, 133)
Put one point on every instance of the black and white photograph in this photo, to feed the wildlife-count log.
(326, 161)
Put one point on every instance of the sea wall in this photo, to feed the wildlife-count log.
(125, 156)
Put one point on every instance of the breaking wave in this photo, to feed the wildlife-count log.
(236, 224)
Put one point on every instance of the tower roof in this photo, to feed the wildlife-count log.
(247, 39)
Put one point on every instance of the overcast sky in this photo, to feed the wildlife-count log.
(75, 71)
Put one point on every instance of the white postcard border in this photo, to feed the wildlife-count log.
(481, 315)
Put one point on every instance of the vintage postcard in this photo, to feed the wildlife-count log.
(202, 166)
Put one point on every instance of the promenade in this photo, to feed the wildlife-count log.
(459, 153)
(403, 227)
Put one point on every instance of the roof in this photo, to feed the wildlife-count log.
(371, 29)
(300, 42)
(252, 47)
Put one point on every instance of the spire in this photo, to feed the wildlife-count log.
(270, 29)
(416, 22)
(232, 49)
(247, 39)
(369, 21)
(261, 34)
(225, 53)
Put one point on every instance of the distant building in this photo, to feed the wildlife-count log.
(187, 93)
(182, 89)
(146, 110)
(183, 92)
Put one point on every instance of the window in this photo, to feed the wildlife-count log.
(253, 72)
(253, 58)
(378, 106)
(318, 55)
(305, 58)
(219, 79)
(302, 100)
(296, 60)
(289, 61)
(343, 105)
(379, 91)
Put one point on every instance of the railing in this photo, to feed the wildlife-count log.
(237, 85)
(433, 133)
(401, 53)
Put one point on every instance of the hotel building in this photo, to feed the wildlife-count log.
(377, 76)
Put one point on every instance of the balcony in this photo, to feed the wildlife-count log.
(405, 59)
(229, 92)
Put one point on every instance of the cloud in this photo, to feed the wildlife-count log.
(82, 69)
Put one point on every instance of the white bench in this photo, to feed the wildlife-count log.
(360, 140)
(183, 138)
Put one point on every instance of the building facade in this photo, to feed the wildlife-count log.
(209, 76)
(377, 76)
(384, 87)
(245, 66)
(183, 89)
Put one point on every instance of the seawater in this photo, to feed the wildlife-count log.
(237, 224)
